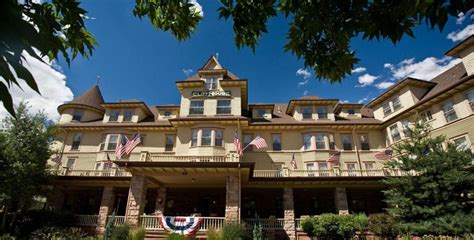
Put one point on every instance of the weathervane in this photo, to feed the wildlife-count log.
(97, 80)
(217, 56)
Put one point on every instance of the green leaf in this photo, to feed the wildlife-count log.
(6, 98)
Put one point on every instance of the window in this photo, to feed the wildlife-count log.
(167, 114)
(98, 166)
(218, 137)
(114, 114)
(307, 113)
(77, 115)
(462, 143)
(196, 108)
(369, 166)
(310, 168)
(449, 112)
(307, 142)
(323, 167)
(102, 142)
(276, 142)
(194, 138)
(247, 139)
(396, 103)
(128, 115)
(76, 141)
(261, 113)
(470, 98)
(70, 163)
(406, 128)
(211, 83)
(322, 113)
(223, 107)
(395, 133)
(346, 141)
(113, 141)
(386, 109)
(426, 115)
(351, 111)
(351, 169)
(169, 142)
(320, 143)
(206, 137)
(364, 142)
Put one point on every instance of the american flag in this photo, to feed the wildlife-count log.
(238, 145)
(136, 139)
(293, 162)
(258, 142)
(120, 149)
(384, 155)
(109, 161)
(57, 159)
(334, 157)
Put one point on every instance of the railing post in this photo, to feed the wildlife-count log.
(337, 171)
(66, 171)
(144, 156)
(286, 172)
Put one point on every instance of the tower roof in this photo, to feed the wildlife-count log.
(92, 98)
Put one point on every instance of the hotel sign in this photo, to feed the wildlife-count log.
(211, 93)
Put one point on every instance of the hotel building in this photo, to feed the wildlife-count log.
(187, 162)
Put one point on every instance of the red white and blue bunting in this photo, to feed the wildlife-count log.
(181, 225)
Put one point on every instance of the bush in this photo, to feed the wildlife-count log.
(213, 234)
(175, 236)
(332, 226)
(120, 233)
(383, 225)
(137, 233)
(233, 231)
(7, 237)
(57, 233)
(39, 219)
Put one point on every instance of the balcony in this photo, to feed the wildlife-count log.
(335, 172)
(115, 172)
(152, 157)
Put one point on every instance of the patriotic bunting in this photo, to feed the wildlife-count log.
(181, 225)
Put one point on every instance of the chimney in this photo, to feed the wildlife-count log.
(465, 51)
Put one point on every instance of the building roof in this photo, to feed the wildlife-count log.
(456, 50)
(92, 98)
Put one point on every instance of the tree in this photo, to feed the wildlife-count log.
(433, 197)
(320, 31)
(24, 152)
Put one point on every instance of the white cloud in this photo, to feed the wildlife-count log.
(461, 34)
(384, 85)
(305, 92)
(197, 7)
(358, 70)
(305, 74)
(187, 71)
(363, 100)
(462, 16)
(52, 85)
(425, 69)
(366, 80)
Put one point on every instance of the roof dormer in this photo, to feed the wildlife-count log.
(312, 108)
(132, 111)
(349, 110)
(261, 111)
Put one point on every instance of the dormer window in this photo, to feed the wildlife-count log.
(128, 115)
(351, 112)
(211, 83)
(396, 103)
(167, 114)
(114, 114)
(261, 113)
(77, 115)
(307, 112)
(322, 113)
(386, 109)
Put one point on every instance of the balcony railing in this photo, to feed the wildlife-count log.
(266, 223)
(175, 158)
(95, 173)
(86, 220)
(335, 172)
(152, 223)
(119, 220)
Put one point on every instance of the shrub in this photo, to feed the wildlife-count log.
(332, 226)
(233, 231)
(383, 225)
(175, 236)
(213, 234)
(137, 233)
(57, 233)
(120, 233)
(38, 219)
(7, 237)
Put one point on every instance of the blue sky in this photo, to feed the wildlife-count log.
(136, 61)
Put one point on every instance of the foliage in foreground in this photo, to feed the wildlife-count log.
(24, 152)
(433, 197)
(382, 225)
(333, 226)
(320, 32)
